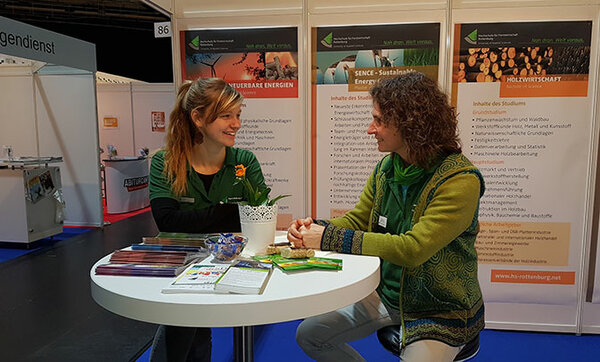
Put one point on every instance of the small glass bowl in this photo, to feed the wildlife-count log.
(225, 247)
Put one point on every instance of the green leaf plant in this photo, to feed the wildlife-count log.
(254, 196)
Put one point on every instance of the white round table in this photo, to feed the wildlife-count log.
(287, 296)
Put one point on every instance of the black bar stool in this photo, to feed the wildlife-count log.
(391, 339)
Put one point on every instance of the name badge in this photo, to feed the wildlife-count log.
(186, 200)
(382, 221)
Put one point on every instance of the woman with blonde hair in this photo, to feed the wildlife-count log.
(192, 186)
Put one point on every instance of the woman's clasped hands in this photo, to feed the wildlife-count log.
(303, 233)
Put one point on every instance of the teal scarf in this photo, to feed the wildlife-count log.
(406, 176)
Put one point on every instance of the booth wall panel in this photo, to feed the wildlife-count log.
(66, 109)
(590, 320)
(17, 114)
(370, 7)
(148, 98)
(194, 8)
(207, 21)
(531, 316)
(166, 5)
(280, 167)
(565, 315)
(590, 314)
(114, 100)
(13, 224)
(539, 307)
(464, 4)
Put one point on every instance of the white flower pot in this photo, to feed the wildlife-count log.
(258, 225)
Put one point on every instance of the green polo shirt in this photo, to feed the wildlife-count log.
(222, 188)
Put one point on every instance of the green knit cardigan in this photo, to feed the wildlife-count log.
(440, 297)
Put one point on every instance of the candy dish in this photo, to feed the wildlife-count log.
(225, 247)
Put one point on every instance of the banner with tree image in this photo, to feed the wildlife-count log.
(346, 62)
(260, 63)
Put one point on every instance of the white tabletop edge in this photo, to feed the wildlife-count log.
(288, 296)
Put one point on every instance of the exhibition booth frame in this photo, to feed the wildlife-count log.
(538, 249)
(48, 108)
(549, 180)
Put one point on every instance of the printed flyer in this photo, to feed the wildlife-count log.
(158, 121)
(346, 62)
(110, 122)
(522, 96)
(262, 64)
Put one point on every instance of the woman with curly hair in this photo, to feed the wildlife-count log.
(418, 213)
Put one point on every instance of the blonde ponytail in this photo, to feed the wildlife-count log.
(211, 97)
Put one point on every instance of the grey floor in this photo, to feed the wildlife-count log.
(46, 309)
(48, 314)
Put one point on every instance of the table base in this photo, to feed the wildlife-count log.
(243, 344)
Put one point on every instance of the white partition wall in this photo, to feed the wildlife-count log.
(351, 47)
(521, 129)
(115, 118)
(17, 113)
(245, 39)
(152, 104)
(134, 115)
(590, 315)
(48, 108)
(68, 130)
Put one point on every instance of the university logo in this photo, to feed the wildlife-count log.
(328, 40)
(194, 44)
(472, 38)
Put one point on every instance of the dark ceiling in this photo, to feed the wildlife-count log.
(123, 31)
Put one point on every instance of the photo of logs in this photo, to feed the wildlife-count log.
(489, 65)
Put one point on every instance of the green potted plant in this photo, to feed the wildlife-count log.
(258, 214)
